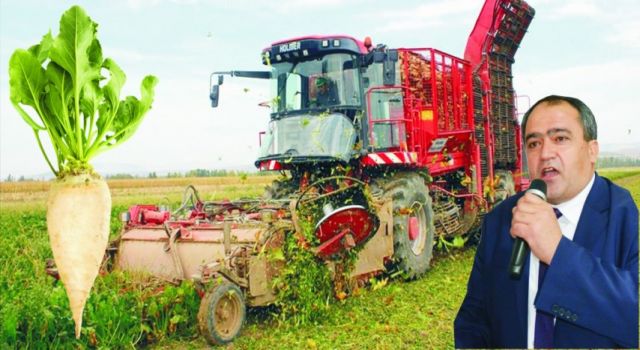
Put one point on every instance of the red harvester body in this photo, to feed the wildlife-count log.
(387, 151)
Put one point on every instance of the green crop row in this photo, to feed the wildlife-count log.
(614, 174)
(121, 312)
(130, 311)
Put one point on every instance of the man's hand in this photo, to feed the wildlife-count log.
(535, 222)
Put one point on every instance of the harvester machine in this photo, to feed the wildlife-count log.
(383, 152)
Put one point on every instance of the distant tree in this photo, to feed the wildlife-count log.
(216, 173)
(153, 175)
(120, 176)
(198, 173)
(616, 162)
(9, 178)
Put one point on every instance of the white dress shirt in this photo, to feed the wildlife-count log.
(568, 222)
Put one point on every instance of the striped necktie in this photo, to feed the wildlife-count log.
(543, 338)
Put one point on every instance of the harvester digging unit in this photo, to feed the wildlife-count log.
(382, 151)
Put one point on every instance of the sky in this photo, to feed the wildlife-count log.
(589, 49)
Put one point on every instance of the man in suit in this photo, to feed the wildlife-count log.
(579, 286)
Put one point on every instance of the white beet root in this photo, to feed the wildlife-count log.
(65, 87)
(78, 217)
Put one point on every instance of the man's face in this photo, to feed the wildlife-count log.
(323, 88)
(557, 152)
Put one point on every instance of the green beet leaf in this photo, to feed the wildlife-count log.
(58, 87)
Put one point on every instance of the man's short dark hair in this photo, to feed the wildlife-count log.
(587, 120)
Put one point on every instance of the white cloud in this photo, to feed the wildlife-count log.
(287, 5)
(626, 31)
(607, 88)
(183, 132)
(140, 4)
(575, 8)
(618, 20)
(135, 56)
(433, 14)
(280, 7)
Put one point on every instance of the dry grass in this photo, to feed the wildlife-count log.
(29, 195)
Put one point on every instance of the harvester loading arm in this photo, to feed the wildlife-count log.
(491, 48)
(499, 28)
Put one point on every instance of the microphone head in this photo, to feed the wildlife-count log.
(539, 188)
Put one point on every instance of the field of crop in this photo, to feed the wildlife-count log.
(120, 313)
(31, 195)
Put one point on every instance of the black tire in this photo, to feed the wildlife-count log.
(279, 189)
(411, 199)
(474, 234)
(505, 187)
(222, 313)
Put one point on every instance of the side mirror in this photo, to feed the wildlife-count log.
(378, 56)
(392, 55)
(389, 68)
(214, 95)
(389, 72)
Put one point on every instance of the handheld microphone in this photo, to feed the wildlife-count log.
(520, 247)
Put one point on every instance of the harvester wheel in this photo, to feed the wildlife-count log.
(222, 313)
(316, 191)
(279, 189)
(474, 234)
(413, 227)
(505, 186)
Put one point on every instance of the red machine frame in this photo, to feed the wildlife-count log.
(433, 118)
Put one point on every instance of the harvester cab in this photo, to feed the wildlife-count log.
(317, 123)
(318, 99)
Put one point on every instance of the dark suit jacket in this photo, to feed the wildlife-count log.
(591, 285)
